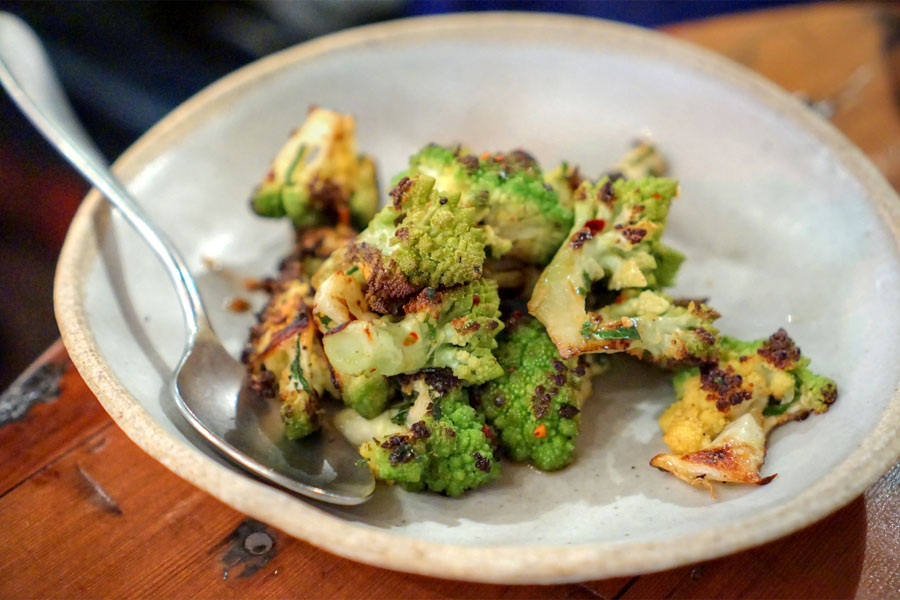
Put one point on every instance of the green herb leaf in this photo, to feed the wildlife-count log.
(773, 410)
(403, 410)
(587, 280)
(622, 333)
(290, 170)
(297, 371)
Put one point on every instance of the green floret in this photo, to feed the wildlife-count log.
(368, 394)
(779, 354)
(649, 325)
(285, 358)
(300, 404)
(424, 238)
(535, 405)
(318, 178)
(453, 328)
(445, 449)
(565, 179)
(523, 213)
(614, 243)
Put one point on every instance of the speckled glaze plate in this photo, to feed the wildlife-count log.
(784, 222)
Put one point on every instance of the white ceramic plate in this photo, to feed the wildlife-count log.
(784, 222)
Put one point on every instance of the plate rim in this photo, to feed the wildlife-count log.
(877, 452)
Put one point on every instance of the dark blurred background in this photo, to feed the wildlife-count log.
(125, 65)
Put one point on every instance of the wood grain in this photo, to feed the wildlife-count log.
(88, 514)
(49, 428)
(169, 539)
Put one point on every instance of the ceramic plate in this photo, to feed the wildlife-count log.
(784, 223)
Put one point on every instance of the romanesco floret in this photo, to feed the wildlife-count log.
(452, 327)
(424, 238)
(768, 378)
(650, 325)
(285, 357)
(446, 447)
(522, 211)
(778, 355)
(535, 404)
(615, 241)
(318, 178)
(368, 394)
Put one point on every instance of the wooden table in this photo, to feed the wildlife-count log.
(87, 514)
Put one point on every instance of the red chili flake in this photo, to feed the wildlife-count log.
(488, 432)
(475, 300)
(238, 304)
(411, 339)
(620, 299)
(657, 196)
(540, 431)
(595, 225)
(485, 156)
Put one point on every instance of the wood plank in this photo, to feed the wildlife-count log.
(52, 425)
(150, 534)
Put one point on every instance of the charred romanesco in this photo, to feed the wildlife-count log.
(643, 160)
(767, 376)
(451, 327)
(615, 241)
(535, 404)
(521, 210)
(443, 445)
(730, 406)
(318, 178)
(285, 358)
(649, 325)
(402, 321)
(424, 238)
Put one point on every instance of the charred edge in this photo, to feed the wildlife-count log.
(634, 234)
(429, 299)
(723, 385)
(440, 380)
(387, 288)
(606, 194)
(419, 430)
(330, 199)
(829, 393)
(574, 179)
(705, 336)
(780, 350)
(686, 302)
(568, 411)
(580, 238)
(399, 191)
(469, 161)
(520, 160)
(540, 402)
(481, 463)
(337, 329)
(263, 383)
